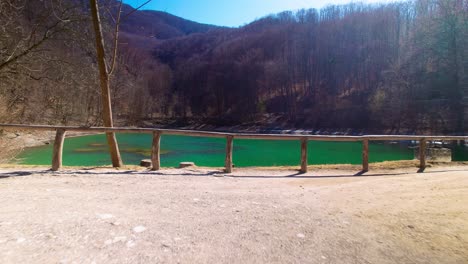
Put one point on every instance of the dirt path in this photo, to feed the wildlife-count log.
(252, 216)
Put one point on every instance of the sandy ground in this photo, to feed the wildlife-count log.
(251, 216)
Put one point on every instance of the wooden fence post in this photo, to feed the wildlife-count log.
(155, 151)
(365, 155)
(228, 161)
(303, 155)
(422, 154)
(58, 149)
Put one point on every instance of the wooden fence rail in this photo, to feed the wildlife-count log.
(156, 132)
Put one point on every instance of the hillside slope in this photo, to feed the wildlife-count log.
(400, 68)
(160, 25)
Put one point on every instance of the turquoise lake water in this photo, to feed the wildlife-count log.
(210, 152)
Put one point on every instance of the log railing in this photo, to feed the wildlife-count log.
(155, 150)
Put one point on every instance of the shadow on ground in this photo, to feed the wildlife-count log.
(14, 174)
(214, 173)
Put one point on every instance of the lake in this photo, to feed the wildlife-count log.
(210, 152)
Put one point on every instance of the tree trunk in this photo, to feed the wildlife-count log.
(105, 86)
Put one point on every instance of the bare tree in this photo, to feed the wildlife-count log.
(105, 73)
(104, 78)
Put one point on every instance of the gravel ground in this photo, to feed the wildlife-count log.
(251, 216)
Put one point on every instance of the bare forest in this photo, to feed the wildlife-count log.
(400, 67)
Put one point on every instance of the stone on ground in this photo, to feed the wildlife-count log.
(146, 163)
(186, 164)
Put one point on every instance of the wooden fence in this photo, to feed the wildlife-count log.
(155, 150)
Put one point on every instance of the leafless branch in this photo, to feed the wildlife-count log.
(116, 39)
(136, 9)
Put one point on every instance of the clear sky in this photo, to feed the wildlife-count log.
(233, 13)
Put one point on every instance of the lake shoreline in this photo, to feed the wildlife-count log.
(278, 124)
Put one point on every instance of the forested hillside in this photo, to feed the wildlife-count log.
(48, 68)
(399, 67)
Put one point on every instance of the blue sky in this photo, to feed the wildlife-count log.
(232, 13)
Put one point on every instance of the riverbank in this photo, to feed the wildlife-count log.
(281, 124)
(261, 216)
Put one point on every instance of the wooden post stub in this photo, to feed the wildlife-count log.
(156, 151)
(228, 161)
(365, 155)
(303, 155)
(422, 154)
(58, 150)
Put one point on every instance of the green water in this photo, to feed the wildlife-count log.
(210, 152)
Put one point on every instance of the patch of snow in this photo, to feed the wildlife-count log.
(300, 235)
(139, 229)
(131, 244)
(104, 216)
